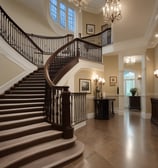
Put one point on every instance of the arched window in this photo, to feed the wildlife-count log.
(63, 15)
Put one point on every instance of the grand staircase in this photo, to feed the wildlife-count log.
(27, 139)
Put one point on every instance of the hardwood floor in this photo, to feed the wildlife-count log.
(122, 142)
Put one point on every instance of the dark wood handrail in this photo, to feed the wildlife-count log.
(102, 38)
(50, 44)
(98, 34)
(50, 37)
(50, 60)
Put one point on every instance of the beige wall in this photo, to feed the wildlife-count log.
(87, 74)
(111, 69)
(90, 18)
(8, 70)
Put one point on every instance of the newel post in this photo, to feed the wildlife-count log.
(66, 116)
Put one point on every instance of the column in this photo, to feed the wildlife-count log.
(121, 84)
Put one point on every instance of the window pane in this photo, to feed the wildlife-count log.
(53, 9)
(62, 15)
(71, 19)
(129, 79)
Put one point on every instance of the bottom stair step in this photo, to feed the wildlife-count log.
(59, 158)
(30, 154)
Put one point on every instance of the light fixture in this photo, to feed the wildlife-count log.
(99, 82)
(156, 73)
(79, 3)
(139, 77)
(130, 60)
(112, 10)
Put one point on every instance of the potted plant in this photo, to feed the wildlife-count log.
(133, 91)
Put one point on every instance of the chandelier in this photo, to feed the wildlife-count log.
(112, 10)
(79, 3)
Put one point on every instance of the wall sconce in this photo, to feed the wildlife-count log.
(139, 77)
(99, 82)
(156, 73)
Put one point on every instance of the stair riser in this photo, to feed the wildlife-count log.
(29, 88)
(18, 117)
(30, 84)
(24, 133)
(24, 96)
(6, 101)
(12, 111)
(26, 91)
(39, 155)
(30, 144)
(20, 106)
(19, 101)
(24, 123)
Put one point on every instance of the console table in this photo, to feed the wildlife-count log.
(104, 108)
(134, 102)
(154, 110)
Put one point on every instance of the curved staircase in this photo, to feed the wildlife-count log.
(27, 139)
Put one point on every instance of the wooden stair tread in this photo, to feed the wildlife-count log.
(20, 109)
(24, 128)
(15, 104)
(19, 114)
(14, 143)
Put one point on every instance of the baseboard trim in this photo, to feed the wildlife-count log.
(90, 116)
(146, 115)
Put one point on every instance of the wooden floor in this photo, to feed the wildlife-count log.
(122, 142)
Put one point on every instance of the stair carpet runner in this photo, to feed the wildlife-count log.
(26, 138)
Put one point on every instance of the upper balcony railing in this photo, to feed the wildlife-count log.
(19, 40)
(50, 44)
(103, 38)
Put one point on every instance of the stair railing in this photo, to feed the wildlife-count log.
(58, 101)
(19, 40)
(78, 107)
(103, 38)
(50, 44)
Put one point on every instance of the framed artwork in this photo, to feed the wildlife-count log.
(90, 28)
(85, 85)
(113, 80)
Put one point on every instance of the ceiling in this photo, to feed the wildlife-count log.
(139, 18)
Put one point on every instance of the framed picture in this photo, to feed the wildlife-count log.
(113, 80)
(90, 28)
(85, 85)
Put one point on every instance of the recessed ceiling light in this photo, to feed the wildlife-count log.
(156, 35)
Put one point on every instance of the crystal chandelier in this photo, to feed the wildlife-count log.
(112, 10)
(79, 3)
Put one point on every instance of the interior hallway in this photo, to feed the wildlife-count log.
(121, 142)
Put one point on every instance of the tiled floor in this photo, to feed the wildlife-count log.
(122, 142)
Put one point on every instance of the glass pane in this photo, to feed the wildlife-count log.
(71, 19)
(129, 79)
(53, 9)
(62, 15)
